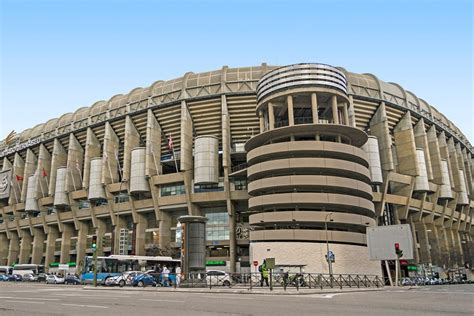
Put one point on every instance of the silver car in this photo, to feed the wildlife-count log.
(54, 279)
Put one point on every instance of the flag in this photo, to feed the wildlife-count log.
(44, 173)
(170, 142)
(18, 178)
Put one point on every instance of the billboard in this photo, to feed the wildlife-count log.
(5, 183)
(381, 242)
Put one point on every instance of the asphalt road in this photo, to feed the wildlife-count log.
(40, 299)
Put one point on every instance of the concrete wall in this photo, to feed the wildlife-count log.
(349, 259)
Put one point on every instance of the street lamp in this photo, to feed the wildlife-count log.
(327, 243)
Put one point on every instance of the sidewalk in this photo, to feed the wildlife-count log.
(240, 290)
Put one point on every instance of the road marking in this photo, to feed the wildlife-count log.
(23, 302)
(158, 300)
(81, 305)
(31, 298)
(230, 296)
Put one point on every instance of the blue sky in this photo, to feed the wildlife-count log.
(57, 56)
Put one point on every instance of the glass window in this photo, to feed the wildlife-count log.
(172, 189)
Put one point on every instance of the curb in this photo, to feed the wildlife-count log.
(230, 291)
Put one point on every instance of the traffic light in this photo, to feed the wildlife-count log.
(94, 242)
(104, 239)
(398, 251)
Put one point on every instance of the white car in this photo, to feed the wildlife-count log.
(217, 278)
(121, 280)
(54, 279)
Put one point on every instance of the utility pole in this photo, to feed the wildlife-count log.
(94, 249)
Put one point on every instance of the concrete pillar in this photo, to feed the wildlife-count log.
(81, 244)
(52, 235)
(433, 239)
(379, 127)
(335, 115)
(444, 247)
(165, 230)
(140, 227)
(38, 245)
(132, 140)
(25, 247)
(13, 248)
(291, 115)
(314, 108)
(3, 249)
(405, 146)
(261, 121)
(68, 232)
(424, 250)
(100, 232)
(271, 116)
(346, 114)
(92, 151)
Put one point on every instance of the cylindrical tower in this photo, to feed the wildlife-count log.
(307, 171)
(96, 188)
(60, 194)
(206, 159)
(138, 182)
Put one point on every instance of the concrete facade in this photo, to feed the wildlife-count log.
(309, 117)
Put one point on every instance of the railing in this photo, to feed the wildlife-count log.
(239, 167)
(282, 280)
(304, 120)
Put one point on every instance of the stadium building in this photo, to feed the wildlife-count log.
(280, 160)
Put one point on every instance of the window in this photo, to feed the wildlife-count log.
(84, 204)
(217, 226)
(213, 187)
(240, 184)
(172, 189)
(121, 197)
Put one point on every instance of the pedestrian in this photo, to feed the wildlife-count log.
(263, 273)
(178, 275)
(165, 274)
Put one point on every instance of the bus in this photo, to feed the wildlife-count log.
(6, 270)
(114, 265)
(23, 269)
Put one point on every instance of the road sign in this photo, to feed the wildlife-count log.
(255, 263)
(270, 263)
(381, 241)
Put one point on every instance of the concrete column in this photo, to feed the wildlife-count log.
(81, 244)
(416, 251)
(379, 127)
(433, 239)
(38, 245)
(444, 247)
(13, 248)
(52, 235)
(25, 247)
(335, 115)
(346, 114)
(100, 232)
(3, 249)
(458, 247)
(165, 230)
(314, 108)
(424, 250)
(271, 116)
(68, 232)
(291, 115)
(261, 121)
(140, 227)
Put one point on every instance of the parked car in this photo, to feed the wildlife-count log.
(72, 279)
(15, 278)
(143, 280)
(125, 278)
(30, 277)
(3, 278)
(42, 277)
(217, 278)
(54, 279)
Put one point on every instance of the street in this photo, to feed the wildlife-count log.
(40, 299)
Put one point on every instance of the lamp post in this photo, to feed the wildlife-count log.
(327, 244)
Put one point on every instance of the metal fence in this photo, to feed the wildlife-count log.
(281, 280)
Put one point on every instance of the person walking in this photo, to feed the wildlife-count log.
(178, 275)
(165, 274)
(263, 273)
